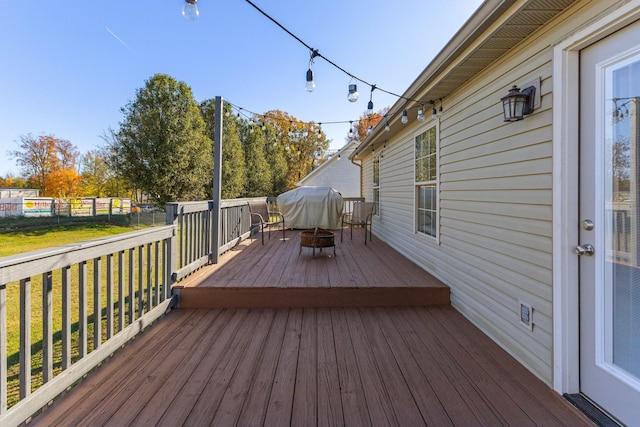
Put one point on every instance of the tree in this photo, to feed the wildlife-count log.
(298, 143)
(63, 183)
(10, 181)
(256, 143)
(367, 121)
(43, 156)
(161, 147)
(95, 173)
(234, 170)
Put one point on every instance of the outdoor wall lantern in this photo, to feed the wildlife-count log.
(518, 103)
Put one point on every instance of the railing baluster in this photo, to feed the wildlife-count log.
(66, 317)
(47, 327)
(132, 292)
(149, 282)
(109, 290)
(121, 298)
(3, 348)
(156, 297)
(169, 266)
(25, 338)
(140, 281)
(82, 309)
(97, 303)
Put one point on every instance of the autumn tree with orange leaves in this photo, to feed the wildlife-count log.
(299, 144)
(366, 122)
(48, 163)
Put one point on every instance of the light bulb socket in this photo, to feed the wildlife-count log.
(353, 93)
(370, 107)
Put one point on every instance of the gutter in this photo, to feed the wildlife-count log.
(358, 165)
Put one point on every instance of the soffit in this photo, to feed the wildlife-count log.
(495, 28)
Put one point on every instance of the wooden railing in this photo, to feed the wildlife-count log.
(64, 310)
(91, 297)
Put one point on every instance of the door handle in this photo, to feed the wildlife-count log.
(587, 250)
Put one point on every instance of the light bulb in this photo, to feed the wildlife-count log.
(370, 107)
(405, 118)
(434, 113)
(386, 127)
(190, 10)
(353, 93)
(310, 84)
(369, 128)
(350, 134)
(420, 115)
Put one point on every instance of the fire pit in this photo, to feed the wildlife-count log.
(317, 238)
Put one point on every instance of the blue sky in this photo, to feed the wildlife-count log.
(67, 67)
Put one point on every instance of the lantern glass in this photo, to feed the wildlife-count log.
(514, 105)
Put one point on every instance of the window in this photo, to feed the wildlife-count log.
(426, 182)
(376, 183)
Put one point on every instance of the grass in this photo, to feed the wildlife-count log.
(15, 242)
(19, 241)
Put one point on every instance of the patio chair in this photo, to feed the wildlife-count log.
(261, 218)
(361, 216)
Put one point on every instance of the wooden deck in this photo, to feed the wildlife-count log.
(282, 274)
(402, 366)
(327, 363)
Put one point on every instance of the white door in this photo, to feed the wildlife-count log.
(610, 224)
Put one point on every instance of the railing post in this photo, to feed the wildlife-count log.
(217, 178)
(3, 348)
(171, 250)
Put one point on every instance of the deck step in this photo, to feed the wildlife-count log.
(277, 297)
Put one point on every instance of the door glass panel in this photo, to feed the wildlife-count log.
(621, 293)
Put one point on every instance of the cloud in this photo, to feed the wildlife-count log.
(120, 40)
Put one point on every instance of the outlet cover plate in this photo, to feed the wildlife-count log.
(526, 315)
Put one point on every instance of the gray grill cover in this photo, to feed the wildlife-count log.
(309, 207)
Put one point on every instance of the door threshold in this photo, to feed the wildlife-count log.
(593, 412)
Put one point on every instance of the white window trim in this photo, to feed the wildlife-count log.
(376, 186)
(433, 239)
(566, 65)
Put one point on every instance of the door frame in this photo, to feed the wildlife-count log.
(566, 66)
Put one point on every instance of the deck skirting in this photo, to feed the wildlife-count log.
(310, 297)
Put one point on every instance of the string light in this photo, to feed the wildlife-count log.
(370, 104)
(191, 12)
(310, 86)
(353, 93)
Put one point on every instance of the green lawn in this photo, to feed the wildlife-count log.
(18, 241)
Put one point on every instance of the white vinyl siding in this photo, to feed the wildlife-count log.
(495, 198)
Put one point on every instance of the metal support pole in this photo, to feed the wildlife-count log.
(217, 178)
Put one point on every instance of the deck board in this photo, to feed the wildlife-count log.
(325, 366)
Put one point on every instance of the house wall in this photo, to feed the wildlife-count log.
(495, 242)
(340, 174)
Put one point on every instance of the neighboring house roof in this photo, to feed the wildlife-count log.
(341, 153)
(495, 28)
